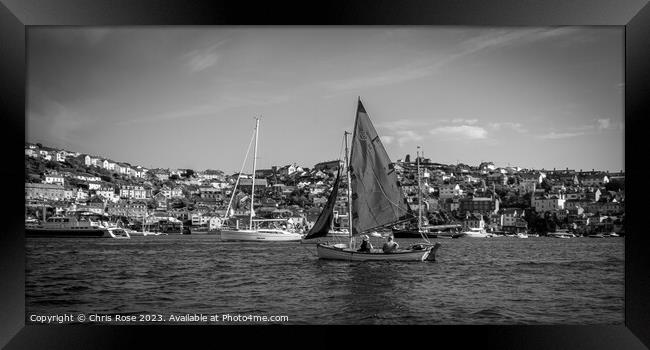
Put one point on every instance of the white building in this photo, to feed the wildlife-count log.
(61, 155)
(54, 179)
(108, 193)
(133, 192)
(555, 202)
(449, 191)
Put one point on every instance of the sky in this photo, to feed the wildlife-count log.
(187, 97)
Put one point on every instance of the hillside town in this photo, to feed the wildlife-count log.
(499, 199)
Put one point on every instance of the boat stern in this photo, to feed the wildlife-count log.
(431, 256)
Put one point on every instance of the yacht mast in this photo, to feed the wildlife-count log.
(419, 193)
(347, 161)
(257, 126)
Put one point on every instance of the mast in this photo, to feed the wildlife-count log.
(347, 161)
(419, 193)
(257, 126)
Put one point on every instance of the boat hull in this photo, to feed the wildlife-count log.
(81, 233)
(412, 234)
(141, 233)
(331, 237)
(338, 252)
(255, 236)
(476, 235)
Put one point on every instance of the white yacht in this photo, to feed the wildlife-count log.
(477, 233)
(257, 234)
(561, 234)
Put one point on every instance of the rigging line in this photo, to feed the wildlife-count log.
(239, 177)
(341, 150)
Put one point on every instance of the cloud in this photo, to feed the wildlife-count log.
(464, 131)
(603, 124)
(387, 139)
(384, 78)
(198, 60)
(562, 135)
(518, 127)
(404, 136)
(403, 124)
(464, 121)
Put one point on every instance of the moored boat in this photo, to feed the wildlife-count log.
(256, 234)
(561, 234)
(260, 235)
(84, 225)
(477, 233)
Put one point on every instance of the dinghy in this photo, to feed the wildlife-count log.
(375, 199)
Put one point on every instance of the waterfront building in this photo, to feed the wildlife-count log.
(132, 209)
(161, 201)
(548, 203)
(246, 184)
(54, 178)
(107, 193)
(593, 195)
(31, 153)
(594, 180)
(123, 169)
(473, 221)
(61, 155)
(44, 191)
(133, 192)
(449, 191)
(483, 205)
(88, 178)
(512, 220)
(160, 174)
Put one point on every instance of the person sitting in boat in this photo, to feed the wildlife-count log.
(390, 246)
(366, 246)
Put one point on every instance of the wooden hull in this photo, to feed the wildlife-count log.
(256, 236)
(340, 253)
(332, 238)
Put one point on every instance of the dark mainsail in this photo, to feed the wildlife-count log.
(324, 221)
(377, 200)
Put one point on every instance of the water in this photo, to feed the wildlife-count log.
(474, 281)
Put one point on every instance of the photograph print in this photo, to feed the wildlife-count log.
(352, 175)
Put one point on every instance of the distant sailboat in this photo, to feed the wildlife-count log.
(257, 234)
(375, 200)
(407, 231)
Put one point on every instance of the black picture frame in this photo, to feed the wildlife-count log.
(16, 15)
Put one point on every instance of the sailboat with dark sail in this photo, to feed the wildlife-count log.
(375, 199)
(323, 230)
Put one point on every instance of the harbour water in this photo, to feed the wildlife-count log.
(502, 280)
